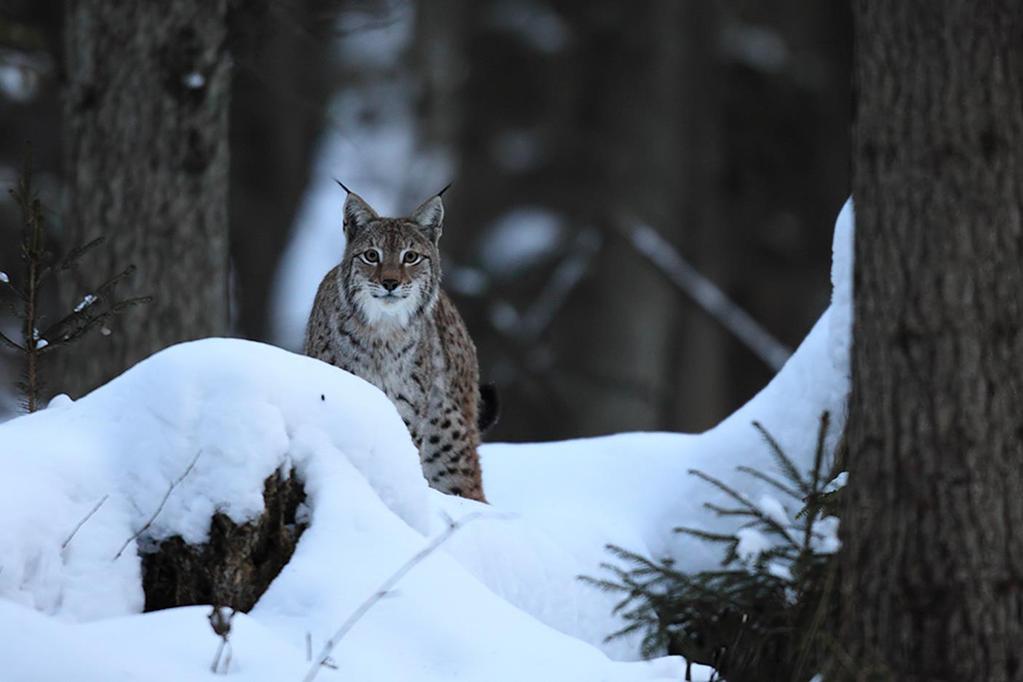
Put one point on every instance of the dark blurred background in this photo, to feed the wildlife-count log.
(570, 129)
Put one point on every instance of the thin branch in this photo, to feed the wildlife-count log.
(566, 277)
(7, 341)
(159, 509)
(18, 293)
(648, 242)
(384, 589)
(770, 480)
(85, 324)
(784, 463)
(81, 523)
(76, 253)
(115, 279)
(754, 510)
(56, 330)
(812, 500)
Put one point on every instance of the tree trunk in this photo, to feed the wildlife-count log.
(618, 340)
(589, 126)
(278, 95)
(146, 144)
(933, 555)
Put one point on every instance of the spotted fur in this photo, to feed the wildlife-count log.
(381, 315)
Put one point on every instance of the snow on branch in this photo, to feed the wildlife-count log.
(40, 266)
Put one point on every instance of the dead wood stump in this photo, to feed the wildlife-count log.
(237, 563)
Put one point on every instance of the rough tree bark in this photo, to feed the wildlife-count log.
(146, 163)
(238, 562)
(933, 554)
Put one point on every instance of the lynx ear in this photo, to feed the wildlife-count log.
(430, 216)
(357, 212)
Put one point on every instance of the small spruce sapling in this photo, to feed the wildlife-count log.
(762, 615)
(93, 309)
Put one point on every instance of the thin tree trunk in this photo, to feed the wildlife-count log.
(615, 342)
(933, 550)
(278, 95)
(146, 162)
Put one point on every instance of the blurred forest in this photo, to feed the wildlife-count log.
(566, 127)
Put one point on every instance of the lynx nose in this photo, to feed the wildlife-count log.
(390, 284)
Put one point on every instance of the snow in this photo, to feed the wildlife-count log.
(837, 483)
(840, 314)
(241, 410)
(752, 543)
(19, 79)
(467, 281)
(517, 150)
(501, 600)
(374, 37)
(194, 80)
(825, 536)
(86, 301)
(520, 239)
(780, 570)
(756, 46)
(535, 24)
(774, 510)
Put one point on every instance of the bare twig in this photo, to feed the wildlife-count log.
(159, 509)
(648, 242)
(77, 252)
(220, 620)
(80, 322)
(4, 339)
(565, 278)
(81, 523)
(384, 589)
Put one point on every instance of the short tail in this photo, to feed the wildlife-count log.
(489, 408)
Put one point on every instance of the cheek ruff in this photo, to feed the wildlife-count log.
(380, 310)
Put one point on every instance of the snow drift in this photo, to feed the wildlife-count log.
(500, 601)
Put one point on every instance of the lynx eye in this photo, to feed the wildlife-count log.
(372, 256)
(411, 258)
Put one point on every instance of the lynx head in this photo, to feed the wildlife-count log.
(391, 266)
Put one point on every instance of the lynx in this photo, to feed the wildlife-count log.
(381, 315)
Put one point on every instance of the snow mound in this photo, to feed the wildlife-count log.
(213, 419)
(238, 410)
(500, 601)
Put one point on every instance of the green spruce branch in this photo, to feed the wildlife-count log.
(759, 618)
(25, 295)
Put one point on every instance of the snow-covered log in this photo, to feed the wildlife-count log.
(236, 563)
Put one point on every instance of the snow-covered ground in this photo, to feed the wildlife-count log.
(499, 601)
